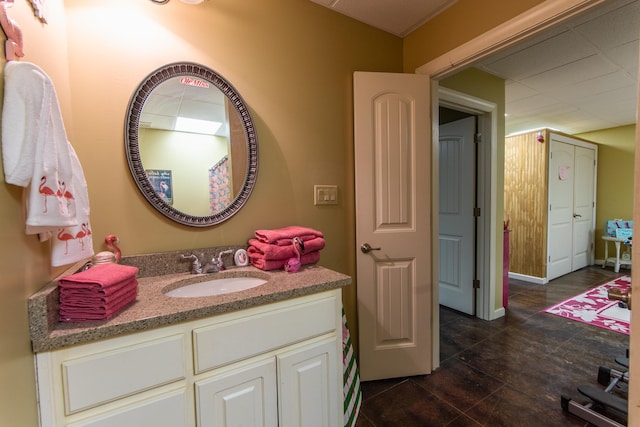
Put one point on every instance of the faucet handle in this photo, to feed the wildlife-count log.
(196, 265)
(220, 261)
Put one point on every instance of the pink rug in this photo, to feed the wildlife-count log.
(595, 308)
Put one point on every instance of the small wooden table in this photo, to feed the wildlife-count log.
(617, 262)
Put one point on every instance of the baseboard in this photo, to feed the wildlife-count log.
(498, 313)
(531, 279)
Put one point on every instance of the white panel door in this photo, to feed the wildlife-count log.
(457, 220)
(572, 172)
(393, 187)
(583, 207)
(560, 223)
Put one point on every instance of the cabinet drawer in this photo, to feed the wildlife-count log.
(169, 410)
(97, 379)
(238, 339)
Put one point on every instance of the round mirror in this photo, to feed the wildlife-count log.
(191, 144)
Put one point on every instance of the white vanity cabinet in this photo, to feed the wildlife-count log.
(278, 364)
(301, 380)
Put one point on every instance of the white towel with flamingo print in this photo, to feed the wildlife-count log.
(37, 155)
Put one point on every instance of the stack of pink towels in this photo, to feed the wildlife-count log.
(271, 249)
(98, 293)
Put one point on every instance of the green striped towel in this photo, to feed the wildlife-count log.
(352, 392)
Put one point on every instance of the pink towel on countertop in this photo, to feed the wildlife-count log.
(99, 312)
(266, 264)
(99, 277)
(276, 252)
(98, 293)
(284, 236)
(74, 295)
(78, 302)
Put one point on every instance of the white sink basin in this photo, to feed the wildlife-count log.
(213, 287)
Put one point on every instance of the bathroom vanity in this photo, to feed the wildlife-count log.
(267, 356)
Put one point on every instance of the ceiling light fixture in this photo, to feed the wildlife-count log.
(184, 124)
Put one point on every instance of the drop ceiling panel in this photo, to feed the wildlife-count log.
(518, 91)
(575, 72)
(626, 57)
(551, 53)
(536, 104)
(620, 27)
(398, 17)
(575, 77)
(602, 84)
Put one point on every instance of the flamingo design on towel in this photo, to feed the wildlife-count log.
(80, 235)
(63, 193)
(65, 236)
(45, 191)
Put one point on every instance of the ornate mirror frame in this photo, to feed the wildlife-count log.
(132, 147)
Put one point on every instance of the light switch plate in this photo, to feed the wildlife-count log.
(325, 195)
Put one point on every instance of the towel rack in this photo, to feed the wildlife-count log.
(13, 45)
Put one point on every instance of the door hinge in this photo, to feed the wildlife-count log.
(476, 212)
(476, 284)
(477, 138)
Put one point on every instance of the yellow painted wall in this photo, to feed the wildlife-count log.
(291, 60)
(463, 21)
(24, 262)
(616, 150)
(189, 157)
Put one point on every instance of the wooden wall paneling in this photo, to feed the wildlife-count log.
(526, 171)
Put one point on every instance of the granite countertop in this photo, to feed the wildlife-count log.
(153, 309)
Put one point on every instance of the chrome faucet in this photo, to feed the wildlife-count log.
(196, 265)
(220, 262)
(211, 266)
(215, 265)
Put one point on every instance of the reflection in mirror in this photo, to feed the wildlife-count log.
(191, 144)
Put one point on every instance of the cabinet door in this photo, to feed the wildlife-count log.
(245, 396)
(308, 386)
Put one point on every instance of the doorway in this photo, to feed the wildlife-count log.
(482, 197)
(457, 235)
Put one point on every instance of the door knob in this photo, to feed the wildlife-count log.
(366, 248)
(577, 216)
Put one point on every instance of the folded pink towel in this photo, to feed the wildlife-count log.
(266, 264)
(100, 312)
(94, 297)
(94, 291)
(284, 236)
(98, 293)
(100, 277)
(270, 251)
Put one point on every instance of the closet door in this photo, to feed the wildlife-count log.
(583, 207)
(572, 180)
(560, 219)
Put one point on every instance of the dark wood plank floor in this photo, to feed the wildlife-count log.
(507, 372)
